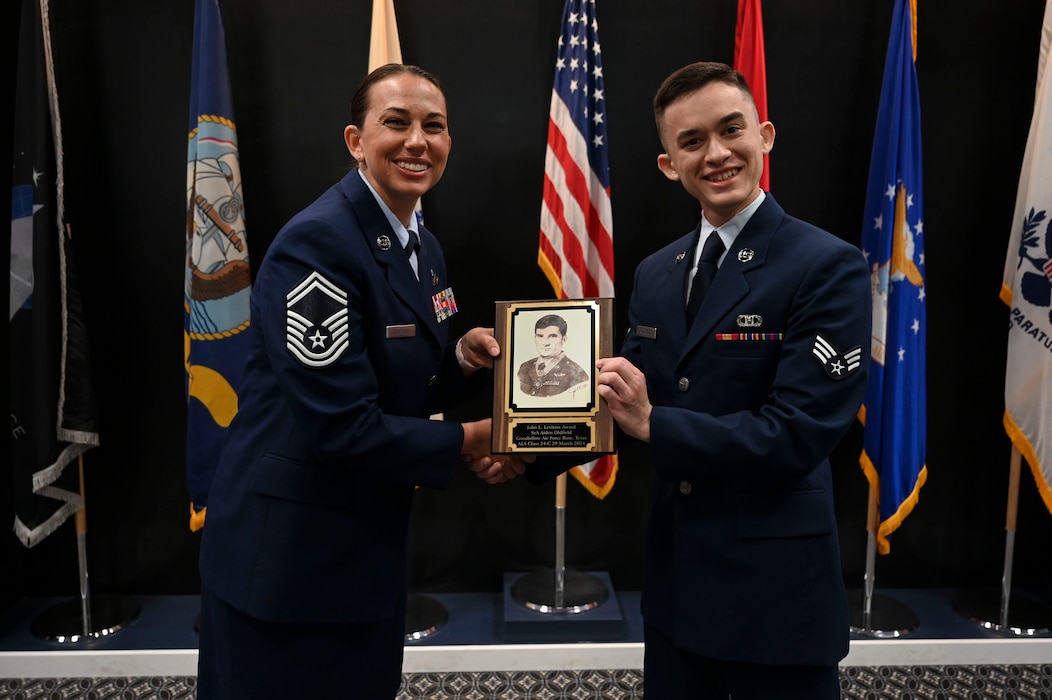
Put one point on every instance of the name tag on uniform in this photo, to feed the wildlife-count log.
(407, 330)
(648, 332)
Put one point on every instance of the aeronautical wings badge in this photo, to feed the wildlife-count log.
(316, 321)
(837, 366)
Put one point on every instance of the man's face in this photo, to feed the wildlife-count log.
(549, 341)
(715, 146)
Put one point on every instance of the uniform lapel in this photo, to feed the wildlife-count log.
(430, 282)
(731, 284)
(672, 317)
(389, 255)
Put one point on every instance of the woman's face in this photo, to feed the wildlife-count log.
(403, 142)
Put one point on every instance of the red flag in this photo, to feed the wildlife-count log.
(576, 243)
(750, 61)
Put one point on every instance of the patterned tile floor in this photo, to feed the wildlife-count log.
(857, 683)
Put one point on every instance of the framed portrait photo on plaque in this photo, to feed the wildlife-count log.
(545, 396)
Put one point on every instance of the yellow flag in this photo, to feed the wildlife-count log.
(384, 46)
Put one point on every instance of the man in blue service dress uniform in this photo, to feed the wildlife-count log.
(742, 403)
(303, 558)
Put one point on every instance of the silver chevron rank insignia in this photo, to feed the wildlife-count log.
(836, 365)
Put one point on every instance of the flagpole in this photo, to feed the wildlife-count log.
(876, 615)
(1017, 615)
(88, 618)
(559, 590)
(1011, 513)
(560, 541)
(81, 520)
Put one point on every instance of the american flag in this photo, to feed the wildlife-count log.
(576, 243)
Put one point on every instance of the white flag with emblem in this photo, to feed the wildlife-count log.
(1027, 290)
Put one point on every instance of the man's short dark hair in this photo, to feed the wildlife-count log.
(693, 77)
(551, 320)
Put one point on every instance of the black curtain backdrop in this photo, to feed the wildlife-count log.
(124, 76)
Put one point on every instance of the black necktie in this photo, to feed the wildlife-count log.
(710, 255)
(413, 245)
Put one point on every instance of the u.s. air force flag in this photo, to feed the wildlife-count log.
(218, 281)
(1027, 290)
(895, 409)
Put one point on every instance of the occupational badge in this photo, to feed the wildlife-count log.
(750, 320)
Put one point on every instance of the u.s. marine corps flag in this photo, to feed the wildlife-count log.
(895, 409)
(1027, 290)
(218, 279)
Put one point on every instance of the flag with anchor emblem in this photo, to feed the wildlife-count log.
(217, 279)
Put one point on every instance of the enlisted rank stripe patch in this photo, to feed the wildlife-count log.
(316, 321)
(837, 366)
(748, 336)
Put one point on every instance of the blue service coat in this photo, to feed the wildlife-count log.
(308, 513)
(741, 556)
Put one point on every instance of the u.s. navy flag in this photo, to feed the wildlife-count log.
(52, 403)
(1027, 290)
(217, 276)
(750, 60)
(576, 243)
(894, 411)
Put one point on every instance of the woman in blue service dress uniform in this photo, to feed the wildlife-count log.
(303, 556)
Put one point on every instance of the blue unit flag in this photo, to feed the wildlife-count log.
(217, 274)
(895, 409)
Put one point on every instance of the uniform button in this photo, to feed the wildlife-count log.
(685, 488)
(684, 384)
(432, 379)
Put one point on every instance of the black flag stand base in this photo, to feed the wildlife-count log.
(73, 621)
(887, 618)
(543, 592)
(423, 617)
(1026, 617)
(88, 617)
(876, 615)
(1004, 611)
(559, 590)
